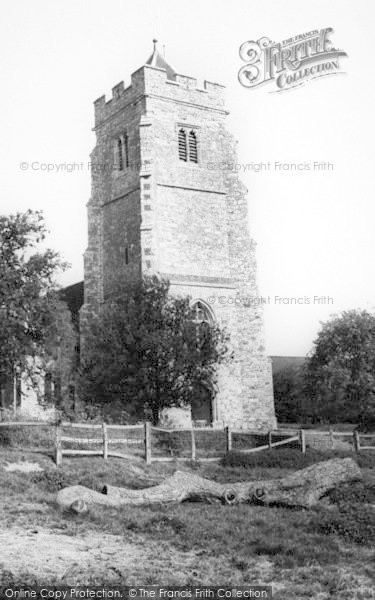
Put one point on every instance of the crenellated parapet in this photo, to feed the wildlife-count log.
(154, 81)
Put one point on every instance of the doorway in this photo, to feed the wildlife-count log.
(201, 405)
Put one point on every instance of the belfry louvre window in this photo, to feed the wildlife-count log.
(120, 155)
(126, 149)
(122, 152)
(182, 145)
(193, 153)
(187, 146)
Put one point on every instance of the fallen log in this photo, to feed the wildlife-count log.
(302, 488)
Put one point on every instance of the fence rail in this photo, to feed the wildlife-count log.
(158, 444)
(170, 445)
(26, 423)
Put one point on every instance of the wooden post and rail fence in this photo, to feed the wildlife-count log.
(146, 440)
(143, 438)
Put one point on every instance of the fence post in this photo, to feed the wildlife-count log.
(58, 448)
(105, 441)
(331, 438)
(302, 438)
(228, 432)
(192, 444)
(148, 442)
(357, 444)
(270, 439)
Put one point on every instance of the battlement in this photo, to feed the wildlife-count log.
(157, 82)
(121, 96)
(153, 81)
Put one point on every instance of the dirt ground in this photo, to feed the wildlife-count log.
(56, 557)
(69, 559)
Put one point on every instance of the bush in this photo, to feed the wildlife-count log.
(112, 413)
(51, 480)
(353, 522)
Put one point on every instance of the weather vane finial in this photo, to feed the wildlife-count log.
(155, 42)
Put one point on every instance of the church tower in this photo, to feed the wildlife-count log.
(165, 200)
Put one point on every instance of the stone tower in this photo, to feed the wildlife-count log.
(165, 200)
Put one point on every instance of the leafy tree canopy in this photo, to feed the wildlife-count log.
(145, 351)
(288, 394)
(340, 374)
(27, 288)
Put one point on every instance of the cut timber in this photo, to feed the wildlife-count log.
(300, 489)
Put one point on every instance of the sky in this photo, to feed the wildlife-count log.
(314, 229)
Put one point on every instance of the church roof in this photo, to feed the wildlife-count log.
(279, 363)
(73, 295)
(156, 60)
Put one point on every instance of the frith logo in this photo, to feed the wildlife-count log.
(290, 63)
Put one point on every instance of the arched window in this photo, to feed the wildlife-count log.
(201, 313)
(126, 149)
(120, 156)
(203, 321)
(193, 153)
(182, 145)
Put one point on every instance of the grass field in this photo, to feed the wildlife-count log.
(324, 553)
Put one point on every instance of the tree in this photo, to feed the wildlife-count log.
(27, 290)
(145, 351)
(289, 394)
(340, 374)
(59, 361)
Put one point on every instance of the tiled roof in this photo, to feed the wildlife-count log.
(156, 60)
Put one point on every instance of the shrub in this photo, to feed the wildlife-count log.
(51, 480)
